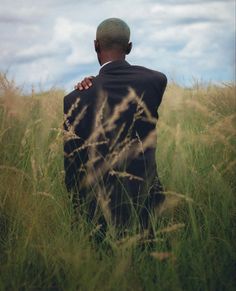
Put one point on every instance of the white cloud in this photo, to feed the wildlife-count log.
(75, 36)
(52, 41)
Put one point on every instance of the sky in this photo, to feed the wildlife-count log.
(49, 43)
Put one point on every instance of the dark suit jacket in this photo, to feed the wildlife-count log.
(114, 78)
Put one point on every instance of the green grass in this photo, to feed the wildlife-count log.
(196, 163)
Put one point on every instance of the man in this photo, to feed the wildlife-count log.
(108, 129)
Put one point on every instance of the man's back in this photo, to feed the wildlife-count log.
(114, 80)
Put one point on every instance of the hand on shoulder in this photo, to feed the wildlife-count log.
(85, 84)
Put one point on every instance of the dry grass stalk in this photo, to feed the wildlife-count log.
(171, 202)
(179, 195)
(100, 107)
(114, 142)
(171, 228)
(163, 256)
(125, 175)
(34, 169)
(70, 132)
(95, 230)
(143, 108)
(79, 117)
(3, 132)
(14, 169)
(129, 241)
(84, 146)
(103, 200)
(231, 167)
(110, 123)
(73, 107)
(44, 194)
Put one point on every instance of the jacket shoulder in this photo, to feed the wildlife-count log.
(151, 74)
(77, 96)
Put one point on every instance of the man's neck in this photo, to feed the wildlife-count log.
(111, 56)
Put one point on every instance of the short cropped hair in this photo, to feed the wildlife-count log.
(113, 33)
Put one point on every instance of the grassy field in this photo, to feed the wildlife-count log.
(194, 246)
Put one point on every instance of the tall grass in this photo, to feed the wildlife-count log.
(193, 248)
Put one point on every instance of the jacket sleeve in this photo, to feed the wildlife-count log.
(152, 97)
(160, 84)
(75, 135)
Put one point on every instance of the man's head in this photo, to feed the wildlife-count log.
(112, 38)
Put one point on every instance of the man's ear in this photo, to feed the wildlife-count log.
(97, 46)
(129, 48)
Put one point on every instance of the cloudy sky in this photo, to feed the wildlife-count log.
(50, 42)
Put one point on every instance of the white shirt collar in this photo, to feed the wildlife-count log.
(105, 64)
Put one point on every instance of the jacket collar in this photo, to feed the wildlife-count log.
(114, 65)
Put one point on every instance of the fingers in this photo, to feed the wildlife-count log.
(85, 84)
(78, 87)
